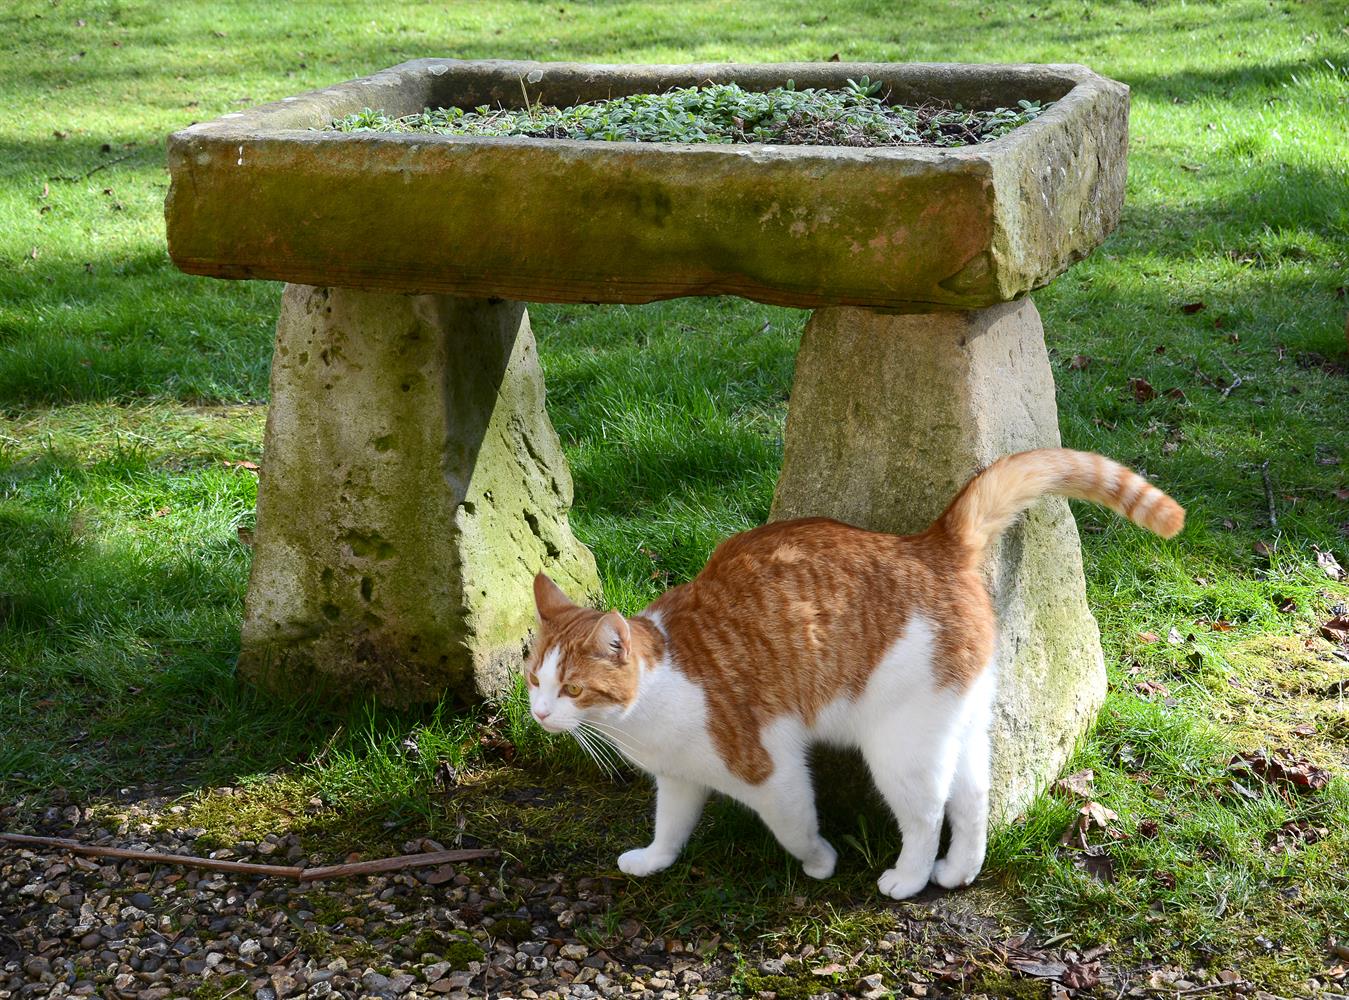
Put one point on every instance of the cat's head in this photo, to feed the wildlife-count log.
(582, 667)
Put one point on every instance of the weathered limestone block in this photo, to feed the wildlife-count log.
(889, 416)
(412, 486)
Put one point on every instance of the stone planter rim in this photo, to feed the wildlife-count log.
(995, 246)
(273, 118)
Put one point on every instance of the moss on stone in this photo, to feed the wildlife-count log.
(460, 953)
(219, 989)
(458, 950)
(516, 928)
(798, 987)
(414, 487)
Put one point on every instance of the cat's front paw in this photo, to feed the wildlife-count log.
(821, 862)
(953, 872)
(899, 884)
(643, 861)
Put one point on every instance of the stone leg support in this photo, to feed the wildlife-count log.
(889, 416)
(412, 486)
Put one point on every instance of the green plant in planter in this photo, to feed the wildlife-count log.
(855, 115)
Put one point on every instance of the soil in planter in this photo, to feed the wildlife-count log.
(855, 115)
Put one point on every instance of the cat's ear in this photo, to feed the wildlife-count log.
(613, 636)
(549, 599)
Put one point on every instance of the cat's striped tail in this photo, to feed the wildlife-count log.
(993, 498)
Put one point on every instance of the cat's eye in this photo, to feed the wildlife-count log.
(572, 690)
(533, 679)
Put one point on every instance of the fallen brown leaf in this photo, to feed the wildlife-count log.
(1148, 688)
(1038, 968)
(1079, 362)
(1098, 815)
(1336, 629)
(1296, 832)
(1262, 548)
(1326, 561)
(1142, 389)
(1190, 308)
(1149, 637)
(1078, 783)
(1282, 765)
(1098, 863)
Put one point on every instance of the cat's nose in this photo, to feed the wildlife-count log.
(541, 713)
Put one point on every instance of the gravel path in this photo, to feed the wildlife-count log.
(128, 930)
(72, 926)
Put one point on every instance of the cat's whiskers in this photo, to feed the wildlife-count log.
(591, 747)
(585, 741)
(603, 743)
(618, 762)
(603, 751)
(617, 740)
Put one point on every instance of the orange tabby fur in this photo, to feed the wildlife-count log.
(791, 616)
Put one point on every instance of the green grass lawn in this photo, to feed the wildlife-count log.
(126, 389)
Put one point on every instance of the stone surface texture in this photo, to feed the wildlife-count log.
(269, 193)
(412, 486)
(927, 401)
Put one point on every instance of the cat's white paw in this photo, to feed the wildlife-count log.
(899, 884)
(821, 862)
(953, 872)
(643, 861)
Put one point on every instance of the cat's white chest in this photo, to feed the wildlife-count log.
(666, 730)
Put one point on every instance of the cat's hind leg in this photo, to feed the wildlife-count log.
(679, 805)
(967, 808)
(786, 804)
(914, 780)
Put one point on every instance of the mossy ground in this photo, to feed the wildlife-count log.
(126, 388)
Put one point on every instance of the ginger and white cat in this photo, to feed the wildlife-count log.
(814, 631)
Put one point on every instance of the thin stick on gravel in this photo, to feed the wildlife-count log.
(247, 868)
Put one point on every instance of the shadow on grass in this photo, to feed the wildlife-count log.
(1246, 82)
(121, 327)
(1272, 197)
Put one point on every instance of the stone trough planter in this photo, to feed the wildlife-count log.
(412, 481)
